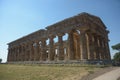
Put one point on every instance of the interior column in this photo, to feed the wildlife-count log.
(51, 53)
(60, 47)
(43, 49)
(83, 42)
(71, 54)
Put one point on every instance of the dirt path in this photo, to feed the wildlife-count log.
(112, 75)
(98, 73)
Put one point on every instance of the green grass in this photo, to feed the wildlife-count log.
(43, 72)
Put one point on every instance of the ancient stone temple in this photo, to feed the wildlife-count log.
(87, 39)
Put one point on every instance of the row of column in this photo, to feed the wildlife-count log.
(37, 50)
(94, 47)
(89, 46)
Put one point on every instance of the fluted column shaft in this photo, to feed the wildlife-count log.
(23, 49)
(20, 53)
(36, 51)
(101, 49)
(71, 54)
(77, 46)
(60, 47)
(25, 52)
(43, 50)
(31, 51)
(84, 54)
(8, 55)
(14, 54)
(51, 54)
(90, 46)
(104, 49)
(96, 46)
(108, 57)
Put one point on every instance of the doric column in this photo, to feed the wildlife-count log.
(27, 54)
(101, 48)
(51, 53)
(23, 52)
(43, 49)
(107, 44)
(96, 47)
(18, 53)
(71, 54)
(83, 45)
(60, 47)
(12, 54)
(9, 55)
(20, 50)
(36, 50)
(90, 46)
(15, 54)
(20, 56)
(31, 53)
(104, 49)
(108, 57)
(66, 54)
(77, 46)
(39, 51)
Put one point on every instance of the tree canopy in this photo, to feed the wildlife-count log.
(116, 47)
(117, 55)
(0, 60)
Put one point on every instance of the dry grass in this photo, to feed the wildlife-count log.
(33, 72)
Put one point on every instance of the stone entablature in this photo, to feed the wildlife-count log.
(87, 40)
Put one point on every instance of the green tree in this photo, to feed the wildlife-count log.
(117, 54)
(116, 47)
(0, 60)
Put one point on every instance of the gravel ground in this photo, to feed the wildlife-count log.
(118, 78)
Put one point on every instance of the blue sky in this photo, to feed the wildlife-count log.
(21, 17)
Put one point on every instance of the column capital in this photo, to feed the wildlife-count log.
(51, 36)
(36, 41)
(60, 34)
(43, 39)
